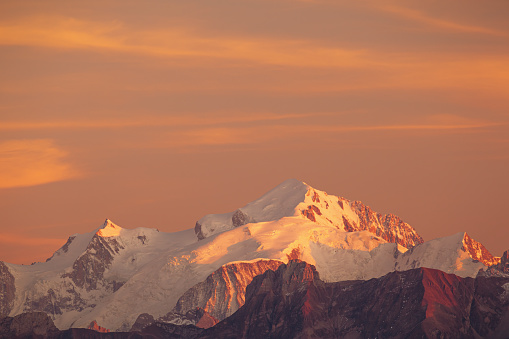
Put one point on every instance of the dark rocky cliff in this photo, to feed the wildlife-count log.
(293, 302)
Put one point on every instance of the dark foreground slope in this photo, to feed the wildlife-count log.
(292, 302)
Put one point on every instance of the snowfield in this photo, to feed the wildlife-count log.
(142, 270)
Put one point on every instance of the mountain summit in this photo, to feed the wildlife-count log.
(296, 199)
(112, 275)
(109, 229)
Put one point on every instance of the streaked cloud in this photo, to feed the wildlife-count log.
(72, 33)
(427, 19)
(191, 140)
(32, 162)
(424, 127)
(153, 121)
(366, 67)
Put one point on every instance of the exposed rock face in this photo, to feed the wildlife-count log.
(28, 325)
(206, 321)
(448, 254)
(142, 321)
(311, 211)
(95, 326)
(84, 333)
(197, 317)
(489, 310)
(240, 218)
(170, 331)
(63, 249)
(389, 227)
(498, 270)
(85, 283)
(87, 274)
(54, 301)
(223, 292)
(80, 287)
(7, 290)
(421, 303)
(210, 301)
(198, 231)
(88, 269)
(479, 252)
(292, 302)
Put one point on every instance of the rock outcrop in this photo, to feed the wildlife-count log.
(223, 292)
(96, 327)
(220, 295)
(240, 218)
(293, 302)
(500, 269)
(7, 290)
(88, 270)
(387, 226)
(87, 274)
(28, 325)
(478, 251)
(142, 321)
(169, 331)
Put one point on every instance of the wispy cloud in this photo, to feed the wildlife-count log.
(32, 162)
(194, 139)
(352, 68)
(153, 121)
(424, 127)
(71, 33)
(422, 17)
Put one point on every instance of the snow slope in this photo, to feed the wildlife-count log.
(450, 254)
(154, 274)
(296, 199)
(112, 275)
(122, 273)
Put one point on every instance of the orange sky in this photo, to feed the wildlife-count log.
(156, 113)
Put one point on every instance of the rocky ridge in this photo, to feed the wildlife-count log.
(80, 286)
(293, 302)
(296, 199)
(220, 295)
(500, 269)
(478, 251)
(223, 292)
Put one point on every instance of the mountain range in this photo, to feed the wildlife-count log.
(215, 280)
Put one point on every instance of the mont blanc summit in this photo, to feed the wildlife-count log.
(121, 279)
(295, 199)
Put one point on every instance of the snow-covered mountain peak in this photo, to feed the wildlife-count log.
(109, 229)
(298, 200)
(473, 248)
(457, 253)
(278, 203)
